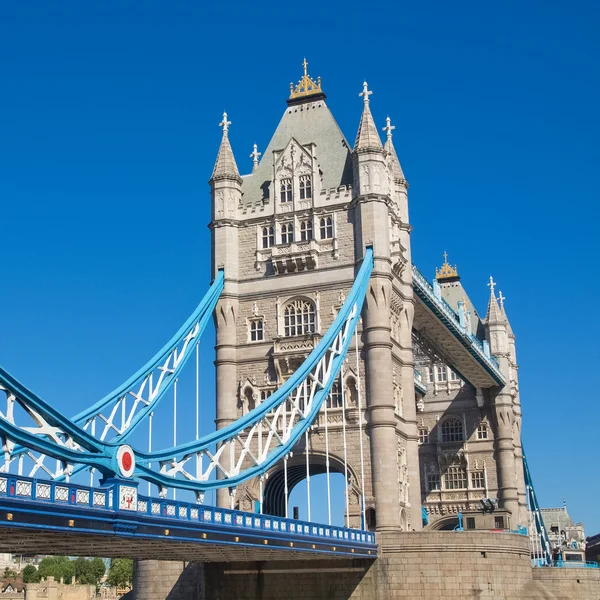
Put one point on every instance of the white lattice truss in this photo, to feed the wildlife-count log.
(108, 421)
(267, 437)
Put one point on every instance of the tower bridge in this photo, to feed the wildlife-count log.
(333, 354)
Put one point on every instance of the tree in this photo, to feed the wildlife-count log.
(120, 572)
(98, 569)
(9, 573)
(30, 574)
(59, 567)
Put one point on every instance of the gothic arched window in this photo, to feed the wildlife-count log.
(326, 227)
(305, 187)
(268, 237)
(285, 190)
(306, 230)
(299, 318)
(452, 430)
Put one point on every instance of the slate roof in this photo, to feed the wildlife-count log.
(452, 293)
(556, 516)
(311, 122)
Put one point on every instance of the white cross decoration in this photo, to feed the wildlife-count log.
(501, 299)
(365, 93)
(388, 128)
(225, 123)
(491, 284)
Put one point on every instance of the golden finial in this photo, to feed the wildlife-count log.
(446, 272)
(306, 86)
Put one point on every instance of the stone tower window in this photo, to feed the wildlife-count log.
(257, 329)
(305, 187)
(423, 435)
(442, 373)
(433, 482)
(453, 375)
(326, 227)
(482, 431)
(287, 233)
(285, 189)
(452, 430)
(268, 237)
(477, 480)
(431, 374)
(455, 478)
(334, 400)
(306, 230)
(299, 318)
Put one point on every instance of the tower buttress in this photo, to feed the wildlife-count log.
(497, 336)
(226, 193)
(373, 227)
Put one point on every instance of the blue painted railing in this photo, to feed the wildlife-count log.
(573, 564)
(105, 498)
(451, 319)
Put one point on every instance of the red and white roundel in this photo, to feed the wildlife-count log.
(126, 461)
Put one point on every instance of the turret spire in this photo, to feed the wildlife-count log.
(494, 313)
(367, 137)
(225, 165)
(254, 156)
(394, 163)
(447, 273)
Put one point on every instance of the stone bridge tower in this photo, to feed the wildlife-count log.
(290, 236)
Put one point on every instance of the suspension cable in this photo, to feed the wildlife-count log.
(150, 444)
(307, 473)
(175, 425)
(327, 461)
(345, 447)
(285, 479)
(360, 429)
(198, 454)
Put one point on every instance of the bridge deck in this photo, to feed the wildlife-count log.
(71, 524)
(436, 321)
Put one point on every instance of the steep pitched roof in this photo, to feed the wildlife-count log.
(310, 122)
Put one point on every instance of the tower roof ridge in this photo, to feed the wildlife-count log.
(367, 137)
(225, 165)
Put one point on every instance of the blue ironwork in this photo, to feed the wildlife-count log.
(420, 386)
(536, 515)
(79, 508)
(70, 440)
(451, 319)
(575, 564)
(459, 527)
(344, 325)
(424, 516)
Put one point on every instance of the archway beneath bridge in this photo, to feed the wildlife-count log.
(274, 488)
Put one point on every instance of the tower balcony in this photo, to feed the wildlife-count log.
(290, 352)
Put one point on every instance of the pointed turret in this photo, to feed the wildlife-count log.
(225, 165)
(494, 313)
(509, 330)
(367, 137)
(390, 151)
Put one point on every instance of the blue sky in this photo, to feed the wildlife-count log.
(108, 134)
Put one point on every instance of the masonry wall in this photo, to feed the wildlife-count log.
(418, 565)
(571, 582)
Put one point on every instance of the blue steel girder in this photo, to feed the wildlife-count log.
(37, 516)
(43, 432)
(251, 445)
(295, 405)
(436, 321)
